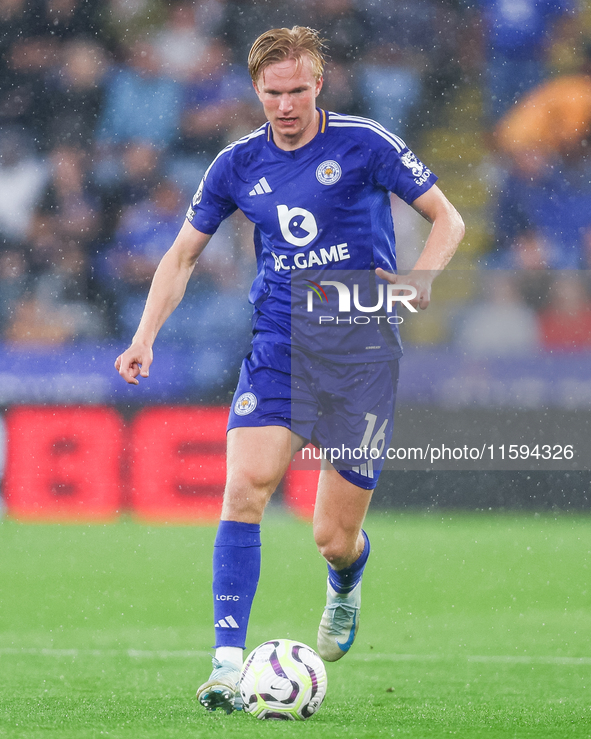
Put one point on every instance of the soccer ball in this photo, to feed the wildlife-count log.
(283, 679)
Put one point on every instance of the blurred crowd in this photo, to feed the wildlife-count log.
(111, 110)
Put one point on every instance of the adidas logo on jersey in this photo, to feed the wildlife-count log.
(261, 187)
(227, 623)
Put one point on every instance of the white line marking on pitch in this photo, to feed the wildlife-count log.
(372, 657)
(506, 659)
(139, 653)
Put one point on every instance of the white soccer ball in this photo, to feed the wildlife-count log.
(283, 679)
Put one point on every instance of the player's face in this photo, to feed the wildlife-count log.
(288, 92)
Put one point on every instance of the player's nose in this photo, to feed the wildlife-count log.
(285, 104)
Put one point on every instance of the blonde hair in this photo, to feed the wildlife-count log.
(280, 44)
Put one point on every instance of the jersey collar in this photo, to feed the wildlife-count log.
(322, 129)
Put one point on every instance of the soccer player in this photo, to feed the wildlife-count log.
(317, 187)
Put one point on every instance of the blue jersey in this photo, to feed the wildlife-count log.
(322, 207)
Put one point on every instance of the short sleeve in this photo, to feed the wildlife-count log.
(213, 201)
(399, 170)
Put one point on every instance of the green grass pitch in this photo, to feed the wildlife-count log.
(473, 625)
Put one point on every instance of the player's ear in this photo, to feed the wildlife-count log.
(319, 83)
(257, 83)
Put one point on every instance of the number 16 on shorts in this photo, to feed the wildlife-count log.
(372, 445)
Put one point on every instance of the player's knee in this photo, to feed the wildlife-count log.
(244, 481)
(247, 511)
(335, 549)
(245, 499)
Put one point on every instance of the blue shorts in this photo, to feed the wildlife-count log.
(346, 410)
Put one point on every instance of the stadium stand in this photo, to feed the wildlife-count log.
(107, 108)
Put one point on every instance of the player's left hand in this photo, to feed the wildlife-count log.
(421, 280)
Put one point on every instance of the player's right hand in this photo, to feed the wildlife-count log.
(133, 362)
(421, 280)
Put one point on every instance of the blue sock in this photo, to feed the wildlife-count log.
(236, 570)
(343, 581)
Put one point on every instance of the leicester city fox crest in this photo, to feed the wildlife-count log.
(245, 404)
(328, 172)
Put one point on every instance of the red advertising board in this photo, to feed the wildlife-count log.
(178, 463)
(168, 464)
(63, 463)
